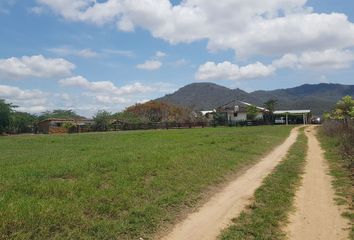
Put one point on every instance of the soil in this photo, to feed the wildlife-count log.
(217, 213)
(316, 214)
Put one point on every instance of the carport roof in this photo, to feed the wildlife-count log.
(292, 111)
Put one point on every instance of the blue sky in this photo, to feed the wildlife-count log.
(89, 55)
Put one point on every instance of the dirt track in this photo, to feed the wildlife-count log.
(218, 212)
(316, 216)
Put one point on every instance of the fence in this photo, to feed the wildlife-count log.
(159, 125)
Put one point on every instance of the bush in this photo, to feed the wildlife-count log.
(344, 131)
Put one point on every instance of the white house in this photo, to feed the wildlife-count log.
(235, 111)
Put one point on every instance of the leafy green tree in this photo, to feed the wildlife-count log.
(22, 122)
(252, 112)
(103, 121)
(70, 126)
(59, 113)
(6, 109)
(127, 117)
(270, 106)
(344, 110)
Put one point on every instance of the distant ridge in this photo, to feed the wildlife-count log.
(205, 96)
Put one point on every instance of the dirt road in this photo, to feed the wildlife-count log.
(218, 212)
(316, 215)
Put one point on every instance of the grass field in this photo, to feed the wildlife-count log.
(343, 178)
(122, 185)
(268, 214)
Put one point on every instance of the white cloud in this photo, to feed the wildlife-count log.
(87, 53)
(325, 60)
(125, 25)
(84, 10)
(34, 66)
(150, 65)
(293, 33)
(111, 99)
(65, 97)
(106, 93)
(68, 51)
(36, 10)
(10, 92)
(330, 59)
(104, 86)
(229, 71)
(160, 54)
(179, 63)
(253, 27)
(26, 100)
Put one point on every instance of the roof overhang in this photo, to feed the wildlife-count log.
(279, 112)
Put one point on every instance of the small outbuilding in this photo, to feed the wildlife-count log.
(292, 116)
(61, 125)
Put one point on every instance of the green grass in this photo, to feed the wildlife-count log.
(122, 185)
(267, 215)
(343, 181)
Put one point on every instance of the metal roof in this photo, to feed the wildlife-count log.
(249, 104)
(242, 106)
(206, 112)
(292, 111)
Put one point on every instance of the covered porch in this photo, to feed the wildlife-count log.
(292, 116)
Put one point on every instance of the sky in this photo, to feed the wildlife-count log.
(91, 55)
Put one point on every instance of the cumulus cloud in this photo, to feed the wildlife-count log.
(150, 65)
(229, 71)
(85, 10)
(106, 92)
(273, 27)
(104, 86)
(34, 66)
(328, 59)
(27, 100)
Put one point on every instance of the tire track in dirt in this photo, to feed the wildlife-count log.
(216, 214)
(317, 216)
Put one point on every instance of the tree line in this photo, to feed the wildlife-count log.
(13, 121)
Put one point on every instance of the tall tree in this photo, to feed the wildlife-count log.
(252, 112)
(344, 110)
(103, 120)
(155, 111)
(6, 109)
(270, 107)
(59, 113)
(127, 117)
(22, 122)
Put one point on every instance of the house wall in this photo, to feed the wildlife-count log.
(43, 127)
(57, 130)
(241, 116)
(259, 116)
(52, 127)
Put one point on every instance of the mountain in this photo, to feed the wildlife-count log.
(206, 96)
